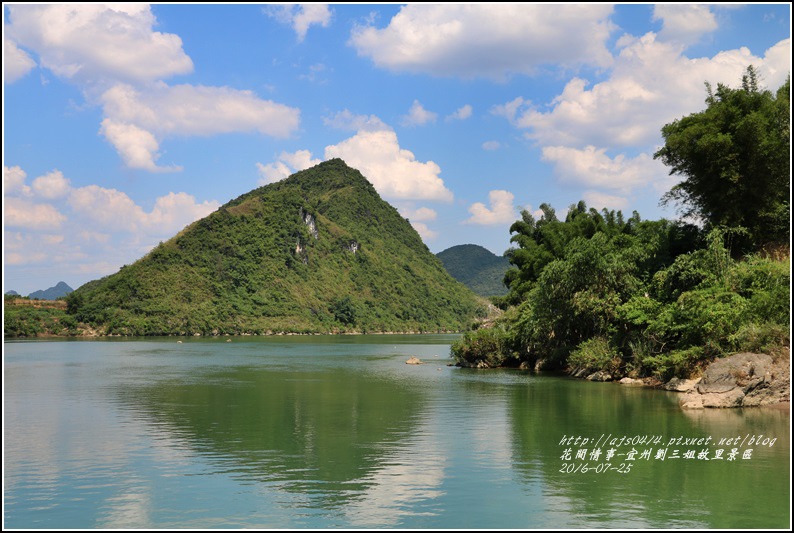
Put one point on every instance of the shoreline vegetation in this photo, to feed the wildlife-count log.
(607, 298)
(26, 319)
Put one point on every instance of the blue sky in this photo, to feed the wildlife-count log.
(123, 124)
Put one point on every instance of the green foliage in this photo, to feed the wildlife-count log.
(317, 252)
(484, 348)
(477, 268)
(734, 154)
(30, 321)
(595, 354)
(541, 242)
(610, 303)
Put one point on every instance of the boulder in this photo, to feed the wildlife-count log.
(742, 380)
(681, 385)
(600, 376)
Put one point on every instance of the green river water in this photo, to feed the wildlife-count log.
(338, 432)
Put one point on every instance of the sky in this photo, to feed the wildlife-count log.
(123, 123)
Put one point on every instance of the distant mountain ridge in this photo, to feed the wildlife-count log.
(476, 267)
(53, 293)
(317, 252)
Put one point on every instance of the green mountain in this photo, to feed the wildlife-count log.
(317, 252)
(53, 293)
(476, 267)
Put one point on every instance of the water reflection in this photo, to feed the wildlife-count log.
(655, 493)
(341, 440)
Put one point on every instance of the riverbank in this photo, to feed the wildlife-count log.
(739, 380)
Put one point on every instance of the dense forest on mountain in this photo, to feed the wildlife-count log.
(599, 292)
(476, 267)
(319, 252)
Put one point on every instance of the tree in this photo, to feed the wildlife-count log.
(734, 157)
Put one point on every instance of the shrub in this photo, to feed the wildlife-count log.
(486, 347)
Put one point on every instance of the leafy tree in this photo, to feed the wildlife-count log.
(734, 157)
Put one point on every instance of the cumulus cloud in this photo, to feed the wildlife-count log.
(113, 210)
(22, 213)
(493, 41)
(422, 214)
(113, 54)
(286, 165)
(94, 43)
(52, 185)
(77, 212)
(198, 110)
(393, 171)
(651, 84)
(490, 146)
(418, 115)
(593, 167)
(424, 231)
(137, 119)
(14, 181)
(684, 23)
(301, 16)
(16, 63)
(136, 146)
(501, 211)
(599, 201)
(461, 113)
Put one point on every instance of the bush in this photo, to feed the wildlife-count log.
(595, 354)
(487, 347)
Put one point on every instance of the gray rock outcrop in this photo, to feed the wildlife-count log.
(742, 380)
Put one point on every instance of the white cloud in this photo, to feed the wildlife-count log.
(493, 41)
(491, 145)
(136, 146)
(423, 214)
(502, 210)
(424, 231)
(651, 84)
(418, 115)
(113, 54)
(95, 42)
(198, 110)
(52, 185)
(684, 23)
(115, 211)
(594, 168)
(599, 201)
(174, 211)
(16, 63)
(509, 110)
(286, 165)
(22, 213)
(393, 171)
(301, 16)
(461, 114)
(138, 119)
(346, 120)
(273, 172)
(14, 181)
(300, 160)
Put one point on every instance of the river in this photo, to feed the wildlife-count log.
(338, 432)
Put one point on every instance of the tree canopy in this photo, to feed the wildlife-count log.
(734, 157)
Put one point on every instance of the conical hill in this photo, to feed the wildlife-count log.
(317, 252)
